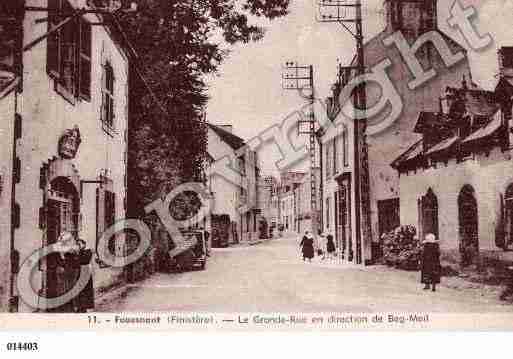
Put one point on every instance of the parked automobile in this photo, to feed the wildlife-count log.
(195, 256)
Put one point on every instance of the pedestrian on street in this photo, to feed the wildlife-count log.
(321, 245)
(307, 246)
(430, 262)
(330, 246)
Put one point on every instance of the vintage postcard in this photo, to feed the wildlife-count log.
(256, 165)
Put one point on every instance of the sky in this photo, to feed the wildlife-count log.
(247, 93)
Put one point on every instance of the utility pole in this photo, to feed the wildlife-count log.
(348, 13)
(300, 78)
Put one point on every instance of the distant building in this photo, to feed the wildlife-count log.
(289, 181)
(303, 204)
(457, 180)
(267, 186)
(235, 200)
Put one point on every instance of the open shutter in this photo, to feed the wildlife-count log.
(103, 107)
(53, 41)
(84, 60)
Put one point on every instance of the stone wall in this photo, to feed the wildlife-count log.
(489, 176)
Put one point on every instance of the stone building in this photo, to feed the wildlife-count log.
(235, 199)
(267, 187)
(407, 19)
(338, 217)
(457, 180)
(289, 182)
(302, 196)
(64, 128)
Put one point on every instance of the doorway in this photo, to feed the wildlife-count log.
(429, 217)
(343, 218)
(388, 220)
(62, 215)
(468, 225)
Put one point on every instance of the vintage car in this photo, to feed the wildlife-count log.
(195, 256)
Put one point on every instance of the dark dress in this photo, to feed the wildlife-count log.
(430, 264)
(307, 247)
(330, 245)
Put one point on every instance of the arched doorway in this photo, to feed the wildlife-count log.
(429, 213)
(468, 225)
(62, 215)
(508, 216)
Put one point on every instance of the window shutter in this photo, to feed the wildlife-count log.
(42, 217)
(346, 147)
(103, 105)
(17, 127)
(15, 215)
(335, 163)
(17, 170)
(52, 48)
(84, 59)
(97, 218)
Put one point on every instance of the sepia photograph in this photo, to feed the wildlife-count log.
(256, 165)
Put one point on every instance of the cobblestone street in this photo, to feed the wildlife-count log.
(271, 277)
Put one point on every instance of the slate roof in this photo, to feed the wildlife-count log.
(473, 103)
(229, 138)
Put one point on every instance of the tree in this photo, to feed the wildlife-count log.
(176, 47)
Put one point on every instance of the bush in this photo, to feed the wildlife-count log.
(401, 248)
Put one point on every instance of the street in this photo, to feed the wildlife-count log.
(271, 277)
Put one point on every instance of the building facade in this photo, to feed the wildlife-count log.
(457, 181)
(303, 204)
(407, 19)
(236, 203)
(289, 182)
(69, 148)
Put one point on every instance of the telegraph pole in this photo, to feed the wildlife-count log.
(336, 11)
(300, 78)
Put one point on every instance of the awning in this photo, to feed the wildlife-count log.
(444, 145)
(485, 131)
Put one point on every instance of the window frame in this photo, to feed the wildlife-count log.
(77, 67)
(108, 106)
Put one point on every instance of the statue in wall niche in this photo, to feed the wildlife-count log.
(68, 143)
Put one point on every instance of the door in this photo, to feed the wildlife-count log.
(508, 216)
(62, 216)
(388, 215)
(468, 225)
(430, 214)
(59, 221)
(343, 219)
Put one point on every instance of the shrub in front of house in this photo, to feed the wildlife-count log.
(401, 248)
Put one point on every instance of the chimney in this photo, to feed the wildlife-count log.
(506, 61)
(227, 128)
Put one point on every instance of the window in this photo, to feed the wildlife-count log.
(327, 213)
(69, 53)
(242, 165)
(105, 215)
(335, 149)
(345, 150)
(329, 158)
(107, 113)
